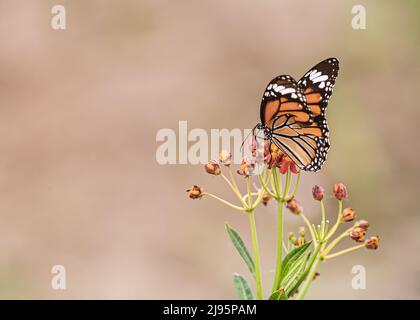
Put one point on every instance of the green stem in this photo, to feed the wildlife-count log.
(265, 186)
(256, 255)
(234, 189)
(287, 184)
(322, 219)
(276, 283)
(309, 226)
(344, 251)
(232, 184)
(295, 188)
(262, 191)
(337, 223)
(336, 241)
(248, 186)
(277, 185)
(224, 201)
(280, 204)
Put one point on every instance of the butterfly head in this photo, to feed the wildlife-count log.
(266, 130)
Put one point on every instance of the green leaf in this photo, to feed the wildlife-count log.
(290, 281)
(278, 295)
(291, 259)
(292, 290)
(240, 246)
(242, 288)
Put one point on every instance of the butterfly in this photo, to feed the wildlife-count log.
(293, 114)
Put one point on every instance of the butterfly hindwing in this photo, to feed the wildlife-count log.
(304, 145)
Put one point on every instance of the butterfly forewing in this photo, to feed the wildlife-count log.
(283, 96)
(317, 85)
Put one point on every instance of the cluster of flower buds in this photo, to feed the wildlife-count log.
(359, 230)
(358, 233)
(275, 158)
(293, 240)
(297, 241)
(213, 167)
(294, 206)
(225, 158)
(195, 192)
(291, 237)
(339, 191)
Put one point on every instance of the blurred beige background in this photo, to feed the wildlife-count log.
(79, 113)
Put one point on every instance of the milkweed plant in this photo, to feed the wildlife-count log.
(271, 175)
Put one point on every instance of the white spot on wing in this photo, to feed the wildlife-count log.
(279, 88)
(314, 75)
(319, 79)
(288, 90)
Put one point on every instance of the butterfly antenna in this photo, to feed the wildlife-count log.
(252, 132)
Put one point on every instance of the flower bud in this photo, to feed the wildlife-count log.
(265, 199)
(340, 191)
(299, 242)
(212, 167)
(363, 224)
(318, 193)
(272, 154)
(285, 163)
(294, 206)
(348, 215)
(302, 232)
(225, 158)
(358, 234)
(195, 192)
(372, 243)
(292, 238)
(247, 166)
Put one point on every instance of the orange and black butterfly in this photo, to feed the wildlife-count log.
(293, 114)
